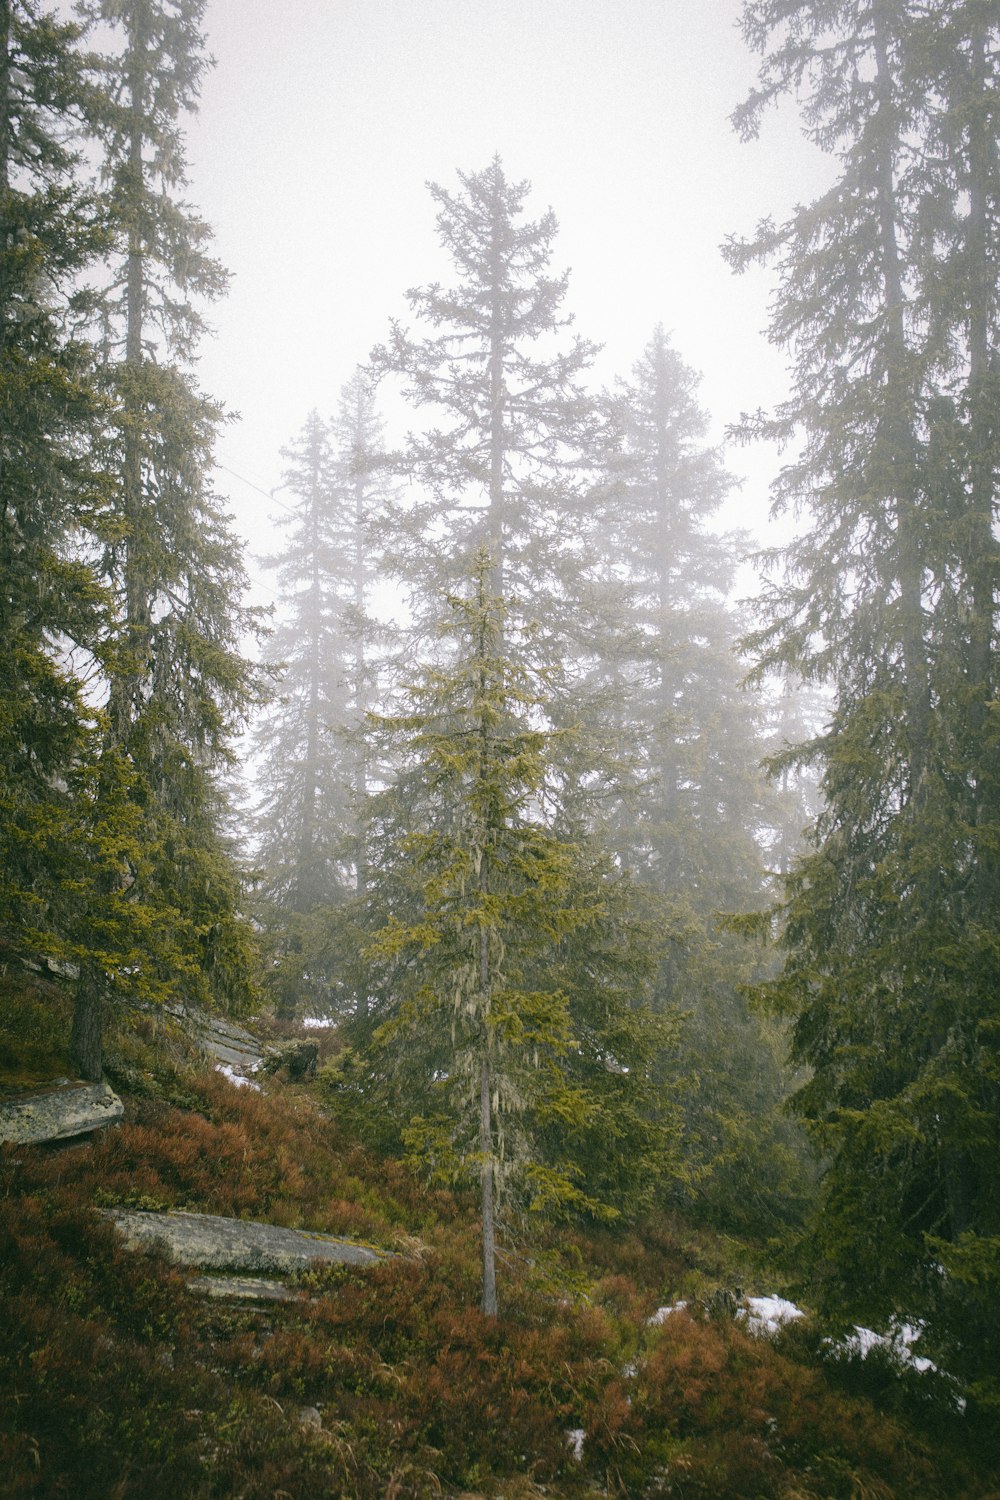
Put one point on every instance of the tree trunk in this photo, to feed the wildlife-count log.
(489, 1303)
(497, 436)
(306, 886)
(125, 691)
(897, 439)
(666, 562)
(960, 1166)
(360, 676)
(6, 223)
(87, 1035)
(126, 682)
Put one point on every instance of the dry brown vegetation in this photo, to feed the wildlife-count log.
(122, 1382)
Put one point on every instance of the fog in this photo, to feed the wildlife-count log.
(324, 119)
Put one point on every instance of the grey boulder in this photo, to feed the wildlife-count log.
(58, 1114)
(220, 1244)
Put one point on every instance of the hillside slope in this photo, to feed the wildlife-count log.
(124, 1380)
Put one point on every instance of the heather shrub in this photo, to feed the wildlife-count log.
(129, 1384)
(249, 1157)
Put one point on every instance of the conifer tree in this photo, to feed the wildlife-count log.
(177, 682)
(673, 651)
(314, 759)
(887, 298)
(692, 805)
(495, 367)
(300, 774)
(502, 1073)
(508, 455)
(51, 488)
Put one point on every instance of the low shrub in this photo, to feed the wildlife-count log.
(124, 1383)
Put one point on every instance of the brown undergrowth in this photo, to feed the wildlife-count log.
(122, 1382)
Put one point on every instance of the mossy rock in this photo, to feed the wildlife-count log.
(58, 1114)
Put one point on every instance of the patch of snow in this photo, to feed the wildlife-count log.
(630, 1371)
(317, 1023)
(663, 1313)
(575, 1439)
(897, 1339)
(237, 1078)
(766, 1315)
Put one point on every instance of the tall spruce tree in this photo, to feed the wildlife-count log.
(693, 805)
(492, 1067)
(887, 298)
(496, 368)
(177, 681)
(314, 768)
(673, 652)
(52, 492)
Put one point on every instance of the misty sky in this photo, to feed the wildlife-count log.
(325, 118)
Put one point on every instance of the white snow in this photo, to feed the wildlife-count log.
(575, 1438)
(237, 1078)
(897, 1339)
(317, 1023)
(766, 1315)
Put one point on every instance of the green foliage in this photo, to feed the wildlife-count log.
(685, 804)
(505, 463)
(157, 896)
(52, 487)
(34, 1032)
(888, 596)
(507, 1013)
(967, 1312)
(120, 572)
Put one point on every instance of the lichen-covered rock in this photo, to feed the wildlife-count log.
(58, 1114)
(221, 1244)
(242, 1289)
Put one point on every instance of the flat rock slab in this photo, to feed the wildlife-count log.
(223, 1041)
(59, 1114)
(243, 1289)
(236, 1057)
(221, 1244)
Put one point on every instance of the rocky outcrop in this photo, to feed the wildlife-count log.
(223, 1041)
(219, 1244)
(59, 1113)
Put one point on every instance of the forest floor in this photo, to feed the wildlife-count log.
(122, 1378)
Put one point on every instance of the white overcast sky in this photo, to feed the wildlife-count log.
(324, 119)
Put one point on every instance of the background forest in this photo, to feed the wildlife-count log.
(621, 898)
